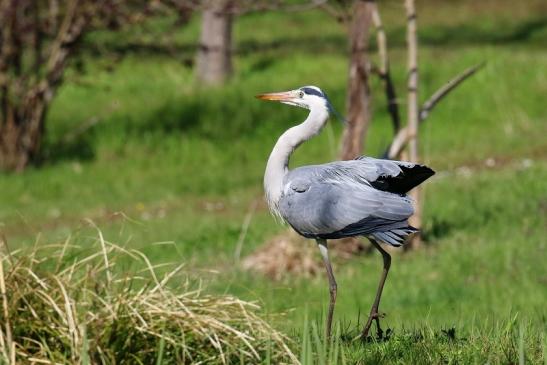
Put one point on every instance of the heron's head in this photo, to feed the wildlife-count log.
(308, 97)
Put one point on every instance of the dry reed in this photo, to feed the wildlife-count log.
(59, 307)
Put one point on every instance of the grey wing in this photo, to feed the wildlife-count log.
(377, 167)
(337, 200)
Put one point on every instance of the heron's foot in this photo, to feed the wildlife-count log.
(379, 332)
(374, 316)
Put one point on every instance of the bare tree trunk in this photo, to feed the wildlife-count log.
(21, 134)
(358, 99)
(214, 60)
(384, 70)
(412, 111)
(23, 104)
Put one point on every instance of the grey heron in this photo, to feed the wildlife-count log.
(362, 197)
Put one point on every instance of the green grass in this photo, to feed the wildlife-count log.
(508, 342)
(172, 169)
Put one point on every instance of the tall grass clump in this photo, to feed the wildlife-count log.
(58, 305)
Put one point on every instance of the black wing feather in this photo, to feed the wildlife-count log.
(410, 177)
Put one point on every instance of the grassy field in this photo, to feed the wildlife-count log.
(171, 168)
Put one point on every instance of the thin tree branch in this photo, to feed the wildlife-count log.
(398, 144)
(401, 139)
(244, 228)
(446, 89)
(243, 7)
(332, 11)
(302, 7)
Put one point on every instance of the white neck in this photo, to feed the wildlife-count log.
(278, 163)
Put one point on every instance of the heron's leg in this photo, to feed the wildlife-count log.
(332, 282)
(374, 315)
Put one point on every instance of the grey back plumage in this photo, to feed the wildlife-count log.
(341, 199)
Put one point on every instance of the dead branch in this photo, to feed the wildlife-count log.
(402, 137)
(245, 227)
(341, 14)
(446, 89)
(398, 144)
(240, 7)
(307, 6)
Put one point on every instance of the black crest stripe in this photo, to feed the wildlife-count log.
(310, 91)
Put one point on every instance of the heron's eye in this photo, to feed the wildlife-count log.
(300, 94)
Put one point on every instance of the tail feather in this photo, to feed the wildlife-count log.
(395, 237)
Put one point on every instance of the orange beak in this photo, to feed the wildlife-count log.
(282, 96)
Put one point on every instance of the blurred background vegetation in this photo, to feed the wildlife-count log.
(161, 162)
